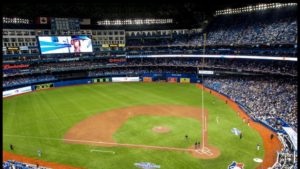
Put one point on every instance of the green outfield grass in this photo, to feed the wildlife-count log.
(50, 113)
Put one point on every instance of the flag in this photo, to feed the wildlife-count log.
(43, 20)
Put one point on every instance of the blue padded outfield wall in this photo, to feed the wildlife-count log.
(72, 82)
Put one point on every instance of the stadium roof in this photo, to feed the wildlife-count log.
(182, 13)
(111, 10)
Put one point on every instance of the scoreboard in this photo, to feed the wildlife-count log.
(65, 24)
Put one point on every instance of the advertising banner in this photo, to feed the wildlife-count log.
(68, 59)
(185, 80)
(44, 86)
(147, 79)
(23, 48)
(17, 91)
(125, 79)
(172, 80)
(117, 60)
(206, 72)
(217, 56)
(99, 80)
(13, 48)
(8, 66)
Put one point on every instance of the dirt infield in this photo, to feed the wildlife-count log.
(270, 146)
(101, 127)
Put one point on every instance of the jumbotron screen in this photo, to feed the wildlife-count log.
(65, 44)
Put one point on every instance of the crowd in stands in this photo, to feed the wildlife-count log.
(273, 101)
(11, 164)
(287, 159)
(278, 67)
(137, 71)
(290, 51)
(256, 28)
(231, 64)
(16, 81)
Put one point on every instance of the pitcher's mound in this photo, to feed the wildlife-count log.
(161, 129)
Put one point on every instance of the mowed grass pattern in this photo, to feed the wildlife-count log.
(50, 113)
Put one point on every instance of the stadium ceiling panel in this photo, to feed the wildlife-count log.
(184, 11)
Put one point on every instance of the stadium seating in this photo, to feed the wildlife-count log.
(260, 29)
(11, 164)
(270, 100)
(266, 88)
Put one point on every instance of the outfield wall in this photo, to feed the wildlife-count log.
(171, 77)
(17, 91)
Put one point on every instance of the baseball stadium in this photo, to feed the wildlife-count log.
(150, 85)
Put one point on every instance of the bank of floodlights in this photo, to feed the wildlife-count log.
(135, 22)
(15, 20)
(250, 8)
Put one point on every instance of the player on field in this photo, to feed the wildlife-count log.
(39, 153)
(11, 147)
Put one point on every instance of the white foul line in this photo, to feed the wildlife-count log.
(107, 143)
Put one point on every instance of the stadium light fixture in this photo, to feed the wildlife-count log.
(250, 8)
